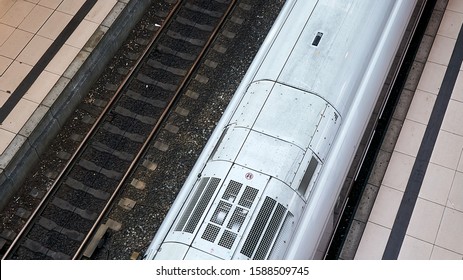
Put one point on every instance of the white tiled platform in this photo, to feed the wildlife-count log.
(28, 30)
(435, 230)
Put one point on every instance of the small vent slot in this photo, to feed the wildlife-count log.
(317, 39)
(220, 141)
(281, 243)
(192, 204)
(237, 219)
(308, 175)
(258, 227)
(221, 213)
(232, 191)
(210, 234)
(201, 205)
(248, 197)
(270, 233)
(227, 239)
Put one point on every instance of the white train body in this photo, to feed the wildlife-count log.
(266, 183)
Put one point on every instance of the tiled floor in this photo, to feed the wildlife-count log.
(27, 29)
(435, 230)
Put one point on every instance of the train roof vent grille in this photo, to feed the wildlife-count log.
(221, 212)
(248, 197)
(198, 205)
(270, 233)
(189, 209)
(282, 240)
(211, 232)
(309, 174)
(264, 229)
(232, 190)
(317, 39)
(267, 230)
(230, 214)
(227, 239)
(237, 219)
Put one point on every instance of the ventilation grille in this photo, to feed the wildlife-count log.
(248, 197)
(221, 213)
(230, 214)
(237, 219)
(317, 39)
(281, 243)
(263, 231)
(227, 239)
(197, 205)
(309, 173)
(232, 191)
(210, 234)
(270, 233)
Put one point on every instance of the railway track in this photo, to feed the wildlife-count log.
(154, 185)
(71, 211)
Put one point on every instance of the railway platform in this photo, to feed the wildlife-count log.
(412, 207)
(51, 51)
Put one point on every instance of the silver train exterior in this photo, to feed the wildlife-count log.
(267, 181)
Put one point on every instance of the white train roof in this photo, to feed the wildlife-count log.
(325, 53)
(275, 127)
(269, 179)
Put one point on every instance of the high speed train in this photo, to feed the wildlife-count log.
(269, 178)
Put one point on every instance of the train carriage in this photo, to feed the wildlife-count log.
(267, 183)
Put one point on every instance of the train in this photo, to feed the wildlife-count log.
(267, 184)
